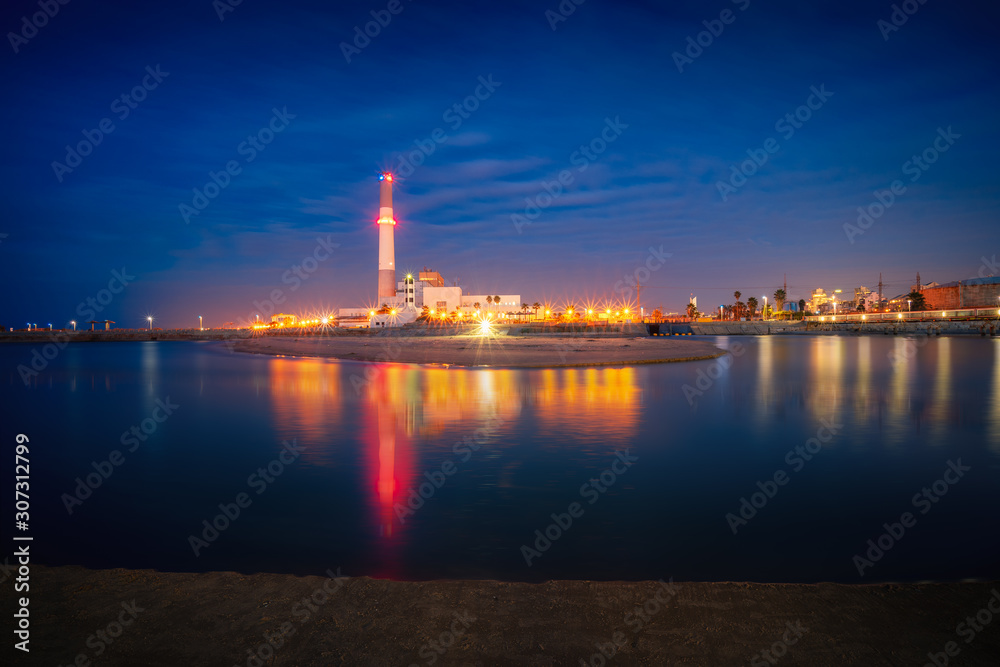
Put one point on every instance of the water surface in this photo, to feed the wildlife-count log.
(703, 434)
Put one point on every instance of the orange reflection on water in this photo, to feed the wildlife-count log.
(406, 410)
(994, 418)
(305, 397)
(587, 404)
(827, 360)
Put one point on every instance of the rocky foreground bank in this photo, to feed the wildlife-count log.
(140, 617)
(507, 351)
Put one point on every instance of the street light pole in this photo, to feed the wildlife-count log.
(200, 325)
(150, 322)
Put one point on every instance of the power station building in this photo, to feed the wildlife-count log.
(406, 298)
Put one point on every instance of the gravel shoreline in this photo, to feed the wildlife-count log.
(225, 618)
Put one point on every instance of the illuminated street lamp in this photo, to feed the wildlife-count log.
(763, 313)
(200, 326)
(908, 309)
(150, 318)
(73, 322)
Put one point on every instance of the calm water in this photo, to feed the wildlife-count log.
(902, 408)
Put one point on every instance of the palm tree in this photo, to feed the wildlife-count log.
(692, 312)
(496, 302)
(752, 305)
(779, 299)
(524, 308)
(657, 314)
(489, 300)
(536, 306)
(476, 305)
(737, 309)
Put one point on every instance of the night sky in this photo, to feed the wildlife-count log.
(670, 138)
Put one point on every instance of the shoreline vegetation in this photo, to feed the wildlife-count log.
(227, 618)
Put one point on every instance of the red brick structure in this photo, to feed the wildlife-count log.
(973, 293)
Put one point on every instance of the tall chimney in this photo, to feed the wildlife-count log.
(386, 246)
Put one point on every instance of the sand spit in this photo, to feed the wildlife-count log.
(506, 351)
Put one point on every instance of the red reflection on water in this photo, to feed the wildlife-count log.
(389, 397)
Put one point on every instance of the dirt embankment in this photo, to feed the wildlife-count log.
(141, 617)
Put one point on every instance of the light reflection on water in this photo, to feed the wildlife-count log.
(375, 434)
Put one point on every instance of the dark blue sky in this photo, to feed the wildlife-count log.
(656, 184)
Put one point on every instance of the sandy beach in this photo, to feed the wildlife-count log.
(507, 351)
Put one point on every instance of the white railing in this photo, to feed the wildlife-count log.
(917, 316)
